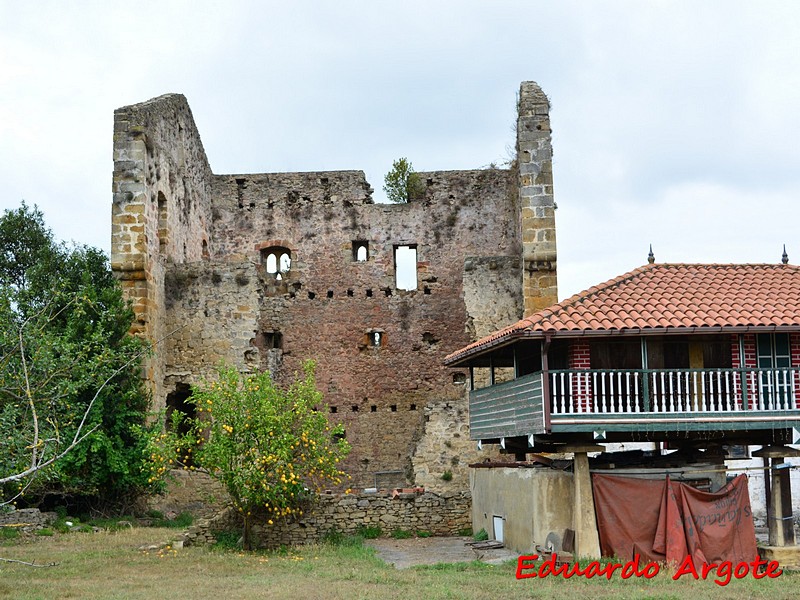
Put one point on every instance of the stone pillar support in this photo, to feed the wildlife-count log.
(584, 520)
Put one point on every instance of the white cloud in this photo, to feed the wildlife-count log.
(674, 123)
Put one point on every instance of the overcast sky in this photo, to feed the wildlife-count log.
(674, 123)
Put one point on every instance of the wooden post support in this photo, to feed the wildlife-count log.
(779, 509)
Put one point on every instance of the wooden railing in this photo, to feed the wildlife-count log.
(674, 391)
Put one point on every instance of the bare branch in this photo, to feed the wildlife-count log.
(80, 434)
(28, 564)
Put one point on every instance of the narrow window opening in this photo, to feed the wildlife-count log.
(373, 408)
(412, 407)
(354, 408)
(204, 250)
(162, 223)
(311, 295)
(426, 290)
(272, 264)
(330, 294)
(285, 263)
(405, 267)
(350, 293)
(369, 293)
(360, 251)
(393, 408)
(387, 292)
(333, 409)
(273, 340)
(240, 185)
(375, 338)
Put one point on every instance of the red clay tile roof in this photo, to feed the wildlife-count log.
(666, 297)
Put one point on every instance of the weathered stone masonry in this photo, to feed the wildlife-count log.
(264, 271)
(438, 514)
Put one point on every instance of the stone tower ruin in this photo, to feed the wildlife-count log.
(264, 271)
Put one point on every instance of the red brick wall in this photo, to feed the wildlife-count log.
(580, 359)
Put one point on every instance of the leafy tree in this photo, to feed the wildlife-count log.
(269, 447)
(72, 404)
(402, 183)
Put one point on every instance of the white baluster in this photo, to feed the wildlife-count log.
(761, 392)
(731, 406)
(671, 394)
(713, 400)
(599, 402)
(628, 390)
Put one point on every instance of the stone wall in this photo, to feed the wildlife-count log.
(26, 520)
(198, 270)
(160, 211)
(537, 204)
(437, 514)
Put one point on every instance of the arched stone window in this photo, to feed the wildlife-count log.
(360, 251)
(277, 261)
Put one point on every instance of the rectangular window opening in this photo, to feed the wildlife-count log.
(405, 267)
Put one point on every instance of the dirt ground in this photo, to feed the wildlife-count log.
(428, 551)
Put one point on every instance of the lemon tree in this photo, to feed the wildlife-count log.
(270, 447)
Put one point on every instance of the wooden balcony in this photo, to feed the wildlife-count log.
(627, 402)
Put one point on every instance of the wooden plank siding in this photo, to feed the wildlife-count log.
(513, 408)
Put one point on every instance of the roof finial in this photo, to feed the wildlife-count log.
(785, 257)
(651, 258)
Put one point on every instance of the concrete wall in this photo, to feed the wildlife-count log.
(533, 502)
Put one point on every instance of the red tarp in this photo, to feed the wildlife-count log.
(664, 520)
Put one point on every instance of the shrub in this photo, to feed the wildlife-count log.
(265, 444)
(401, 534)
(370, 533)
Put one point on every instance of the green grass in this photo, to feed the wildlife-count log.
(424, 534)
(45, 532)
(108, 565)
(401, 534)
(370, 533)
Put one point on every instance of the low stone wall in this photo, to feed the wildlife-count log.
(439, 514)
(190, 491)
(27, 520)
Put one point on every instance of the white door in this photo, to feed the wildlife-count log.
(497, 524)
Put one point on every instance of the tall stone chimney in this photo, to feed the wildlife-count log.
(535, 172)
